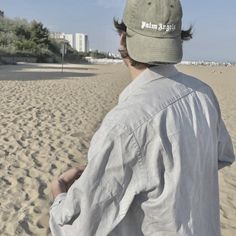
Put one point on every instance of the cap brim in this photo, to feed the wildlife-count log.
(153, 50)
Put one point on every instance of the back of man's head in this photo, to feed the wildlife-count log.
(153, 31)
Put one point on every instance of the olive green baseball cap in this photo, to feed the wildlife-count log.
(154, 30)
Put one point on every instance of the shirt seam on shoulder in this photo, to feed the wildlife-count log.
(166, 107)
(127, 130)
(140, 158)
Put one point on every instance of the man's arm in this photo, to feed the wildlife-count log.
(226, 154)
(65, 180)
(97, 201)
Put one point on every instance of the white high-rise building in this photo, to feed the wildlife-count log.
(70, 39)
(78, 41)
(57, 35)
(81, 42)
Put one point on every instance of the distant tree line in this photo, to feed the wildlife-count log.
(22, 38)
(19, 37)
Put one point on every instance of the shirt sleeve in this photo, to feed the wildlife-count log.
(226, 154)
(225, 147)
(101, 197)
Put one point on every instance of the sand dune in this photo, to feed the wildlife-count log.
(47, 119)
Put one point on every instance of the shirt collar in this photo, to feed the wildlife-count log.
(150, 74)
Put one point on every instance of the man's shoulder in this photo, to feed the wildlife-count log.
(189, 82)
(123, 118)
(152, 101)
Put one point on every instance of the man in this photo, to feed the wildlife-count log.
(153, 164)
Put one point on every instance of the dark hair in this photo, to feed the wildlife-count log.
(121, 28)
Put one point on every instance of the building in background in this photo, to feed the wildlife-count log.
(1, 14)
(68, 37)
(77, 41)
(57, 35)
(81, 42)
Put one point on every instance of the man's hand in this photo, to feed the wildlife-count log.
(65, 180)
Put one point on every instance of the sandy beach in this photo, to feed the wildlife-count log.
(47, 119)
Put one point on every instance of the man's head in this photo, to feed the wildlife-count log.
(151, 31)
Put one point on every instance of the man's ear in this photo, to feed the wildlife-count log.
(123, 40)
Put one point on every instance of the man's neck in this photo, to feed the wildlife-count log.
(136, 71)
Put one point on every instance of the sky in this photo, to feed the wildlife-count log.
(213, 21)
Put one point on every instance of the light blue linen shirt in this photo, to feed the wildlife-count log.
(152, 165)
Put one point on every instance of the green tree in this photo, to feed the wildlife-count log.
(19, 37)
(39, 33)
(23, 32)
(6, 25)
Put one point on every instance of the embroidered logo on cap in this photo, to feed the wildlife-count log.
(159, 27)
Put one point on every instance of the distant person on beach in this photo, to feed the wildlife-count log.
(153, 164)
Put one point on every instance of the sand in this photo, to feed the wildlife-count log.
(47, 119)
